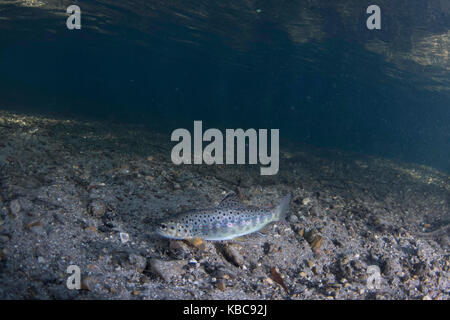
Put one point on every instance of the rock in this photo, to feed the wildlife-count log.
(167, 270)
(88, 283)
(420, 269)
(25, 204)
(139, 261)
(266, 247)
(220, 284)
(293, 218)
(33, 224)
(233, 255)
(15, 207)
(120, 258)
(392, 267)
(3, 254)
(315, 270)
(4, 238)
(103, 228)
(91, 228)
(97, 208)
(222, 274)
(310, 236)
(316, 244)
(38, 229)
(124, 237)
(178, 249)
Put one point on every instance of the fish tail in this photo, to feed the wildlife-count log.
(282, 208)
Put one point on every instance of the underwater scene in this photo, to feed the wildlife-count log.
(224, 150)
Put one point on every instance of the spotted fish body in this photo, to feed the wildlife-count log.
(228, 220)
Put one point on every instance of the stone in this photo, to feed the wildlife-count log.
(139, 261)
(124, 237)
(167, 270)
(15, 207)
(97, 208)
(233, 255)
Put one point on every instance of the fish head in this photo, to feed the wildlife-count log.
(172, 229)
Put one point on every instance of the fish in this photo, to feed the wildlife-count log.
(228, 220)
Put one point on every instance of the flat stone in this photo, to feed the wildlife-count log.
(167, 270)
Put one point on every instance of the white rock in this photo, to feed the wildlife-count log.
(124, 237)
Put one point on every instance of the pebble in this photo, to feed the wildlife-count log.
(88, 283)
(220, 284)
(3, 254)
(4, 238)
(179, 249)
(225, 276)
(315, 270)
(233, 255)
(124, 237)
(310, 236)
(15, 207)
(33, 225)
(91, 228)
(293, 218)
(137, 260)
(316, 244)
(97, 208)
(392, 267)
(167, 270)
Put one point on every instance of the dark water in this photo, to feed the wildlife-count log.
(301, 66)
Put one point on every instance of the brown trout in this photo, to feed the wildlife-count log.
(230, 219)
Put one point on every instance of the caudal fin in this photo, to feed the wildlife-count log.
(282, 208)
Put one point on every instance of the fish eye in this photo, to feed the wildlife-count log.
(163, 226)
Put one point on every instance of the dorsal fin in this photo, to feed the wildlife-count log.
(231, 200)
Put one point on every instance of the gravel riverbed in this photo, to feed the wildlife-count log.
(89, 193)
